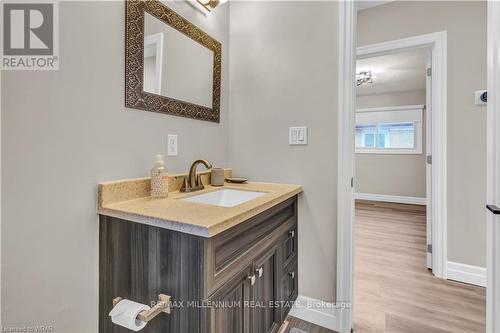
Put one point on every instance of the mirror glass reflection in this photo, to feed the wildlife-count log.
(175, 65)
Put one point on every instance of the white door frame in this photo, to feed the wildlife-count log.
(428, 152)
(347, 107)
(436, 42)
(345, 174)
(493, 171)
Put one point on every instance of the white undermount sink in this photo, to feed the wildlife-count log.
(224, 197)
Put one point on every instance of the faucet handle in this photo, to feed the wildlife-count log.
(193, 181)
(184, 186)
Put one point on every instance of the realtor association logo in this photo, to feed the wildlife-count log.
(30, 36)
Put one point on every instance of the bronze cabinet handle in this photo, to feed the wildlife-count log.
(251, 279)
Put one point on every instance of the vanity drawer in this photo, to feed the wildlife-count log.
(231, 244)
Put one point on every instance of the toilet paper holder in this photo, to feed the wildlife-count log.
(162, 305)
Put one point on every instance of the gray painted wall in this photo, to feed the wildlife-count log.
(284, 59)
(392, 174)
(390, 99)
(465, 23)
(63, 132)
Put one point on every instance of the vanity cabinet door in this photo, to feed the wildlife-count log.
(227, 310)
(264, 312)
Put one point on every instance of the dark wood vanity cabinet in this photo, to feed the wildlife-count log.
(242, 280)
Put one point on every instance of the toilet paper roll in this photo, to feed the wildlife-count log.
(125, 314)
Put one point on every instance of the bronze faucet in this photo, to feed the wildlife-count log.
(193, 181)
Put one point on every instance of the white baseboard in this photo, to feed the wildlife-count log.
(466, 273)
(315, 311)
(391, 198)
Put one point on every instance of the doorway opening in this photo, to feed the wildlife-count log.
(376, 137)
(423, 103)
(393, 158)
(393, 136)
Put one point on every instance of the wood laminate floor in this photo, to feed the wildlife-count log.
(393, 290)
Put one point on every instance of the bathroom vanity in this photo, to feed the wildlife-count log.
(228, 266)
(225, 257)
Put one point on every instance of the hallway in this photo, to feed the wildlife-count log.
(394, 291)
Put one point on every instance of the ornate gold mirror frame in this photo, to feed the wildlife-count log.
(135, 96)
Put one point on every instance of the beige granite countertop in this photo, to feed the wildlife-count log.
(128, 200)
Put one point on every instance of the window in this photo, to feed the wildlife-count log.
(365, 136)
(394, 130)
(386, 135)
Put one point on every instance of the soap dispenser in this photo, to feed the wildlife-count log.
(159, 179)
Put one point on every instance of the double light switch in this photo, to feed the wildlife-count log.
(297, 135)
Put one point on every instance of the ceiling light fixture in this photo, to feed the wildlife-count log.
(211, 4)
(364, 77)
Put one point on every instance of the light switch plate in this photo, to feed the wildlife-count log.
(297, 135)
(172, 145)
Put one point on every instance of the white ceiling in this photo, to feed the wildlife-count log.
(404, 71)
(369, 4)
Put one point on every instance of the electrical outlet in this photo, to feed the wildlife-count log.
(172, 145)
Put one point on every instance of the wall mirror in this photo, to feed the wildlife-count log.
(171, 66)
